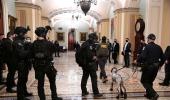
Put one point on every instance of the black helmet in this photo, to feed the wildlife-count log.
(151, 36)
(9, 34)
(103, 38)
(20, 30)
(48, 27)
(92, 36)
(41, 31)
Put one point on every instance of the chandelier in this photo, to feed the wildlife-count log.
(85, 4)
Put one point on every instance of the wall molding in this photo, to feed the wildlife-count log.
(104, 20)
(44, 18)
(121, 10)
(27, 5)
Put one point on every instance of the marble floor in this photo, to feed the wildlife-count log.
(69, 78)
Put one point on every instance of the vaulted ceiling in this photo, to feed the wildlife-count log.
(50, 8)
(57, 10)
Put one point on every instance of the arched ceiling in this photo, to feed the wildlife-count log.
(52, 8)
(49, 6)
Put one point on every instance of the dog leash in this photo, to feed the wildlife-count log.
(120, 69)
(135, 69)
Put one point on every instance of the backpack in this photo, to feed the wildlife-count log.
(102, 50)
(40, 50)
(79, 57)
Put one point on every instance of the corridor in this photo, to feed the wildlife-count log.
(69, 78)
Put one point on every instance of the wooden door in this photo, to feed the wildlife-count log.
(71, 39)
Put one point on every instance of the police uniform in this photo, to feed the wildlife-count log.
(1, 64)
(102, 59)
(42, 50)
(21, 54)
(167, 68)
(89, 49)
(152, 57)
(10, 60)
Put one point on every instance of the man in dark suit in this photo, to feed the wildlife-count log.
(127, 52)
(110, 49)
(115, 51)
(167, 67)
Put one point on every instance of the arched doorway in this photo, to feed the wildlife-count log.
(1, 19)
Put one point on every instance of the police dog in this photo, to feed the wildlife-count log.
(116, 78)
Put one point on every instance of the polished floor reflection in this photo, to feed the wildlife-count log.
(69, 78)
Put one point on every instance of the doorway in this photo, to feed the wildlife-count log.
(71, 39)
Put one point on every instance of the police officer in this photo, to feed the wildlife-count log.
(89, 49)
(42, 54)
(10, 60)
(102, 55)
(167, 68)
(21, 54)
(152, 57)
(1, 60)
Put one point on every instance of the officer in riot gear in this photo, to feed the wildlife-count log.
(89, 53)
(42, 51)
(10, 60)
(21, 55)
(153, 58)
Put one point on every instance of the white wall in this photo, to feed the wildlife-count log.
(5, 15)
(142, 8)
(11, 8)
(152, 13)
(111, 16)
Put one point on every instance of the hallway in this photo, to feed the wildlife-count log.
(69, 78)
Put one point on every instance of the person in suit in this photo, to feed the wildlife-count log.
(127, 52)
(110, 49)
(167, 67)
(115, 51)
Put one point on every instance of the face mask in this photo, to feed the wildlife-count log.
(126, 40)
(28, 40)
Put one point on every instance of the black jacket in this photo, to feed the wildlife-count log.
(8, 52)
(116, 48)
(89, 51)
(141, 47)
(128, 48)
(167, 54)
(151, 54)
